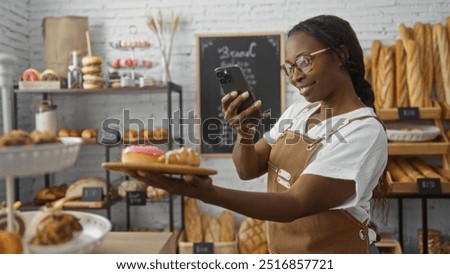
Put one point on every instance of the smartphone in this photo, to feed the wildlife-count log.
(231, 78)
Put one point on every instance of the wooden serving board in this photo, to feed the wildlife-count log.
(159, 168)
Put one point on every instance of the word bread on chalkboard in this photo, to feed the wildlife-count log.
(259, 56)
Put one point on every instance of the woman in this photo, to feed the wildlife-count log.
(324, 158)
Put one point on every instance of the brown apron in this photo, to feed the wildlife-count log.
(330, 231)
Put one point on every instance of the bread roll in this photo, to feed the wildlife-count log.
(63, 132)
(252, 237)
(415, 80)
(426, 170)
(398, 175)
(193, 221)
(401, 86)
(131, 185)
(227, 226)
(74, 132)
(156, 194)
(10, 243)
(211, 228)
(444, 55)
(438, 82)
(89, 133)
(75, 190)
(409, 169)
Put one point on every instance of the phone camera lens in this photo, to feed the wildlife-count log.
(222, 81)
(219, 74)
(227, 76)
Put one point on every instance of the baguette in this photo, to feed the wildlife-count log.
(426, 170)
(193, 220)
(375, 52)
(386, 76)
(398, 175)
(405, 34)
(416, 85)
(227, 226)
(444, 55)
(409, 169)
(401, 86)
(437, 79)
(428, 66)
(211, 228)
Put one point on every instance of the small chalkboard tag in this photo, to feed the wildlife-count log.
(136, 198)
(429, 185)
(203, 248)
(92, 194)
(412, 113)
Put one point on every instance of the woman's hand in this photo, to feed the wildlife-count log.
(191, 185)
(241, 122)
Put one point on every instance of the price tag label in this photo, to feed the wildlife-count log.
(429, 185)
(92, 194)
(412, 113)
(203, 248)
(136, 198)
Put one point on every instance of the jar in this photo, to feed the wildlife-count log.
(46, 116)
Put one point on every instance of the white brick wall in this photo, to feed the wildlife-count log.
(20, 29)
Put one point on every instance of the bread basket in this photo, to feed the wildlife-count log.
(408, 132)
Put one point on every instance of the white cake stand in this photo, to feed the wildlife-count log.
(27, 160)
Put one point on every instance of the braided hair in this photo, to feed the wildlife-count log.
(335, 32)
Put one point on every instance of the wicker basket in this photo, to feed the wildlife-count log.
(219, 247)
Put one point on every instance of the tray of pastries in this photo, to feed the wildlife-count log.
(24, 154)
(150, 158)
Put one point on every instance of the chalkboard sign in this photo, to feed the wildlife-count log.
(429, 185)
(203, 248)
(92, 194)
(259, 55)
(136, 198)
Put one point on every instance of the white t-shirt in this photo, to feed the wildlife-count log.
(357, 151)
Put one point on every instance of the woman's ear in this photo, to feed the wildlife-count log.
(343, 53)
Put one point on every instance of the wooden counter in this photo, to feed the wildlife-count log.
(138, 243)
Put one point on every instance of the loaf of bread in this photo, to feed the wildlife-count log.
(131, 185)
(375, 52)
(252, 237)
(401, 86)
(409, 169)
(89, 133)
(193, 221)
(75, 190)
(426, 170)
(50, 194)
(156, 194)
(428, 64)
(386, 78)
(405, 33)
(211, 228)
(227, 226)
(398, 175)
(415, 80)
(10, 243)
(444, 55)
(437, 77)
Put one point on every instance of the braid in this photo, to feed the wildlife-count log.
(334, 33)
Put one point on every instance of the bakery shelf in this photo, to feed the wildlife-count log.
(412, 187)
(445, 110)
(391, 114)
(440, 147)
(124, 90)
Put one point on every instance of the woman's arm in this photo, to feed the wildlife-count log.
(310, 194)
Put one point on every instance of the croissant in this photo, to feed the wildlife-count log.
(182, 156)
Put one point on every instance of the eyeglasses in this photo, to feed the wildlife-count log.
(303, 63)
